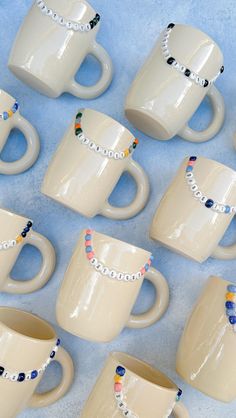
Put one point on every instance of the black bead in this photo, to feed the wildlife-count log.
(187, 72)
(1, 371)
(95, 21)
(27, 229)
(222, 69)
(170, 60)
(23, 234)
(171, 26)
(134, 145)
(91, 24)
(206, 83)
(21, 377)
(30, 224)
(52, 355)
(98, 17)
(192, 158)
(179, 393)
(209, 203)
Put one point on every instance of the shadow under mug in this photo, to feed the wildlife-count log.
(162, 100)
(26, 343)
(47, 55)
(16, 121)
(185, 225)
(83, 179)
(208, 345)
(147, 392)
(11, 226)
(95, 306)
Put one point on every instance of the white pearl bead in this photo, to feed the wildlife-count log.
(28, 376)
(192, 76)
(198, 194)
(117, 155)
(99, 267)
(13, 377)
(105, 152)
(120, 276)
(62, 21)
(182, 68)
(105, 271)
(122, 155)
(122, 406)
(222, 208)
(6, 375)
(194, 188)
(191, 181)
(82, 28)
(127, 277)
(139, 275)
(49, 12)
(94, 261)
(92, 145)
(76, 27)
(203, 199)
(110, 154)
(87, 27)
(69, 25)
(189, 175)
(55, 17)
(112, 274)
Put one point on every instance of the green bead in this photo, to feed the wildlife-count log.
(79, 115)
(78, 131)
(134, 145)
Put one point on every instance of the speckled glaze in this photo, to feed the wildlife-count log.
(148, 392)
(47, 56)
(11, 225)
(31, 136)
(162, 100)
(205, 358)
(96, 307)
(84, 180)
(187, 227)
(25, 344)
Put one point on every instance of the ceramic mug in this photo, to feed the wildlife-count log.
(27, 343)
(162, 100)
(9, 121)
(186, 226)
(147, 392)
(87, 295)
(208, 344)
(11, 227)
(83, 179)
(46, 55)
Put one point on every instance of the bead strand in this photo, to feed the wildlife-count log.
(97, 148)
(32, 374)
(203, 82)
(69, 24)
(105, 271)
(9, 113)
(230, 305)
(118, 392)
(208, 203)
(5, 245)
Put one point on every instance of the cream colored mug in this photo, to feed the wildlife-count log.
(95, 305)
(10, 118)
(208, 344)
(185, 225)
(12, 226)
(28, 344)
(87, 167)
(162, 99)
(48, 50)
(146, 392)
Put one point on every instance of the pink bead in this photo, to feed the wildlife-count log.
(143, 271)
(191, 163)
(118, 387)
(149, 262)
(88, 243)
(89, 231)
(90, 255)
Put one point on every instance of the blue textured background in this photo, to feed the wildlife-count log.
(128, 31)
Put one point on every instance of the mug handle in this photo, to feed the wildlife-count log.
(140, 200)
(225, 253)
(218, 106)
(90, 92)
(40, 400)
(161, 303)
(48, 265)
(32, 152)
(180, 411)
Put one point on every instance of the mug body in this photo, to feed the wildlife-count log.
(205, 358)
(6, 125)
(81, 178)
(26, 342)
(47, 55)
(186, 226)
(11, 226)
(161, 99)
(95, 306)
(147, 392)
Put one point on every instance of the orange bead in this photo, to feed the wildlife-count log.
(231, 296)
(19, 239)
(117, 379)
(136, 141)
(77, 126)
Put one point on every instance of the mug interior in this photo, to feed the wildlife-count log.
(26, 324)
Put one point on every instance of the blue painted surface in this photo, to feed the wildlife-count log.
(128, 31)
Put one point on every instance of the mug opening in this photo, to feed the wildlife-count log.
(26, 324)
(216, 162)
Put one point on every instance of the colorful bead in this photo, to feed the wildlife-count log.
(231, 288)
(6, 245)
(117, 379)
(8, 114)
(119, 395)
(230, 305)
(118, 387)
(231, 297)
(232, 320)
(120, 371)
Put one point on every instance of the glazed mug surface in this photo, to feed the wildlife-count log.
(147, 392)
(97, 306)
(186, 226)
(83, 179)
(208, 344)
(162, 99)
(47, 54)
(11, 245)
(27, 346)
(11, 119)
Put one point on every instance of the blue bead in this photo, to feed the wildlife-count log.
(189, 168)
(146, 267)
(209, 203)
(231, 288)
(88, 237)
(34, 374)
(192, 158)
(120, 371)
(5, 115)
(232, 320)
(179, 393)
(58, 342)
(230, 305)
(16, 106)
(230, 312)
(21, 377)
(26, 229)
(89, 249)
(227, 209)
(152, 258)
(52, 355)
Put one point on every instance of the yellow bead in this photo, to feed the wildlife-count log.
(19, 239)
(117, 379)
(231, 296)
(126, 152)
(10, 113)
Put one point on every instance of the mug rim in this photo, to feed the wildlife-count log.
(220, 279)
(214, 161)
(32, 317)
(8, 95)
(12, 213)
(115, 356)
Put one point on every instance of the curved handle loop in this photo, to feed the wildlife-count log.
(140, 200)
(32, 152)
(161, 303)
(90, 92)
(180, 411)
(225, 253)
(48, 265)
(40, 400)
(218, 106)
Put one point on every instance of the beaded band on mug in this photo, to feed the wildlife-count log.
(31, 374)
(9, 113)
(230, 305)
(203, 82)
(97, 148)
(6, 245)
(204, 200)
(105, 271)
(69, 24)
